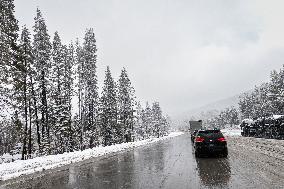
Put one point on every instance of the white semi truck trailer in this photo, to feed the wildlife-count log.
(195, 125)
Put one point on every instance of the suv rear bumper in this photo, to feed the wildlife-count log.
(209, 149)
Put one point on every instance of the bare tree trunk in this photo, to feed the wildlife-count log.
(36, 115)
(30, 131)
(80, 116)
(45, 124)
(24, 152)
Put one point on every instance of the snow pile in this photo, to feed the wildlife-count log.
(232, 132)
(6, 158)
(277, 116)
(22, 167)
(270, 147)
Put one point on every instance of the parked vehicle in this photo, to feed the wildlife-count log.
(264, 127)
(210, 142)
(248, 127)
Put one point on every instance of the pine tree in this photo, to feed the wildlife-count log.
(125, 106)
(8, 38)
(244, 105)
(276, 91)
(167, 124)
(56, 102)
(42, 53)
(108, 112)
(90, 90)
(67, 130)
(79, 74)
(262, 105)
(139, 130)
(147, 121)
(233, 118)
(8, 49)
(157, 119)
(265, 100)
(22, 87)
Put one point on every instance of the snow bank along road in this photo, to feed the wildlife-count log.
(18, 168)
(252, 163)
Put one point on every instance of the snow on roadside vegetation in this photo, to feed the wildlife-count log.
(23, 167)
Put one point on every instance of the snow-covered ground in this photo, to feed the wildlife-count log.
(270, 147)
(22, 167)
(232, 132)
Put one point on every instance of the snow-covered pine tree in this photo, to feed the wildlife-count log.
(147, 121)
(108, 112)
(60, 105)
(79, 91)
(262, 104)
(233, 116)
(8, 49)
(276, 91)
(139, 130)
(245, 105)
(157, 119)
(55, 105)
(167, 124)
(126, 102)
(22, 88)
(61, 95)
(8, 37)
(265, 100)
(90, 90)
(42, 53)
(67, 86)
(227, 117)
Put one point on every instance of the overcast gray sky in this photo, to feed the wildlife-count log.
(182, 53)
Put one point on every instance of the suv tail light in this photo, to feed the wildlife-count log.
(222, 139)
(199, 139)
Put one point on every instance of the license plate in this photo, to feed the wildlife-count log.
(211, 145)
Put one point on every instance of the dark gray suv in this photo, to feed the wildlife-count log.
(210, 142)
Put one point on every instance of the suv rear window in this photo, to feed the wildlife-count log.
(210, 133)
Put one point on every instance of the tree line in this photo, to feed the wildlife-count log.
(263, 101)
(219, 119)
(266, 99)
(49, 94)
(227, 117)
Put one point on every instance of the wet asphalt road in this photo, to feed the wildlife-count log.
(167, 164)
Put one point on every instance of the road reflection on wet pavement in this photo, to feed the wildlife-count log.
(214, 172)
(167, 164)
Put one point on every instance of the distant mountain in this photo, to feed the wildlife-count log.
(217, 105)
(209, 110)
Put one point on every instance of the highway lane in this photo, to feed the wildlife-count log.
(167, 164)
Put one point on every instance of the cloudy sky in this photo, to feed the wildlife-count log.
(182, 53)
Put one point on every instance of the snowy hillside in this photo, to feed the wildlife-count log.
(217, 105)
